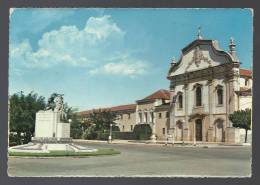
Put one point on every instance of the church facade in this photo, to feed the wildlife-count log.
(206, 86)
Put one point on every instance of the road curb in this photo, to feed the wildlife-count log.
(186, 145)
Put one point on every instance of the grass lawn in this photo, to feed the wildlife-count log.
(100, 152)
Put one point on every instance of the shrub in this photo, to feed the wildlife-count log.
(89, 134)
(142, 132)
(102, 136)
(123, 135)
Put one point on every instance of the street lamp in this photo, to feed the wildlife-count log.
(110, 134)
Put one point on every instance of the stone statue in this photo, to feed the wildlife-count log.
(55, 103)
(58, 100)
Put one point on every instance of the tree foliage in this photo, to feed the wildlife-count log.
(102, 119)
(51, 103)
(22, 113)
(142, 132)
(23, 109)
(76, 129)
(241, 119)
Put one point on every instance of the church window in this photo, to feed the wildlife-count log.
(180, 101)
(220, 96)
(198, 96)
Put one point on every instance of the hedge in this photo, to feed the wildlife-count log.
(142, 132)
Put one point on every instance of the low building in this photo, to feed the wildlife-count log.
(152, 110)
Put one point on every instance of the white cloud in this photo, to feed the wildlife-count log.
(94, 47)
(124, 68)
(121, 68)
(102, 27)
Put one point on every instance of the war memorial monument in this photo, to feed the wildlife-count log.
(52, 132)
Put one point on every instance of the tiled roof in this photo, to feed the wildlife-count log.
(123, 107)
(113, 109)
(245, 72)
(161, 94)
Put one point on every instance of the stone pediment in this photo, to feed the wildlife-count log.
(200, 54)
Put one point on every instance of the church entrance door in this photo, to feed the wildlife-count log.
(219, 131)
(198, 123)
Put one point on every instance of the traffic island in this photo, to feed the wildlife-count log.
(65, 153)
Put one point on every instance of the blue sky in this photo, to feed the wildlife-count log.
(107, 57)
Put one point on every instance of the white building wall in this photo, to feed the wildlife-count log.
(245, 102)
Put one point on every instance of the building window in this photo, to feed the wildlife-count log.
(220, 96)
(129, 116)
(145, 117)
(131, 127)
(167, 114)
(198, 96)
(246, 82)
(160, 115)
(163, 131)
(140, 117)
(180, 101)
(152, 116)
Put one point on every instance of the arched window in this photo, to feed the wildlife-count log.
(246, 82)
(198, 96)
(180, 101)
(220, 96)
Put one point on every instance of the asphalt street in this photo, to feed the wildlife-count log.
(142, 160)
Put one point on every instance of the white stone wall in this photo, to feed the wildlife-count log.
(242, 82)
(48, 125)
(245, 102)
(124, 122)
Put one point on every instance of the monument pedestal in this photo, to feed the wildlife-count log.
(49, 125)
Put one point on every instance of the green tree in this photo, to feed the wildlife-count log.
(22, 113)
(101, 119)
(76, 127)
(241, 119)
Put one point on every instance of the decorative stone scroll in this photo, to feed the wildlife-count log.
(197, 58)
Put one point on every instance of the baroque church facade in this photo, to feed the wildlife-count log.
(206, 86)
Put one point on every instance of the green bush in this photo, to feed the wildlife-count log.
(89, 134)
(14, 140)
(123, 135)
(115, 128)
(142, 132)
(102, 136)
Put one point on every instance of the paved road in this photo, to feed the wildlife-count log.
(142, 160)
